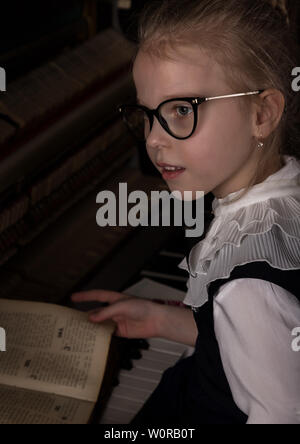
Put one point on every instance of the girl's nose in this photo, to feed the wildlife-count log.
(157, 135)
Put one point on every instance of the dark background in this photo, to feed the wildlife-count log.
(33, 31)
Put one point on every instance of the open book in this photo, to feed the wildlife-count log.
(54, 363)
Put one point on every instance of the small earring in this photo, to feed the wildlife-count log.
(260, 145)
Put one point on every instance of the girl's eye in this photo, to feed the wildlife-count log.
(184, 110)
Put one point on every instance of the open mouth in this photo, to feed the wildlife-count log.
(172, 172)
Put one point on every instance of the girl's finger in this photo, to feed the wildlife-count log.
(107, 313)
(98, 295)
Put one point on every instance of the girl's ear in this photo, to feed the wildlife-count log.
(268, 111)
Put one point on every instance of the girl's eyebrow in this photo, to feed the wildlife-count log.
(175, 96)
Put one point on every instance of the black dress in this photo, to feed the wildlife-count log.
(195, 390)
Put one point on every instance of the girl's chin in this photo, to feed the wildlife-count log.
(186, 195)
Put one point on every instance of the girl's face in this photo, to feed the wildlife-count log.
(221, 155)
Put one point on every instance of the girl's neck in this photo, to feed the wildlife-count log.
(244, 179)
(271, 169)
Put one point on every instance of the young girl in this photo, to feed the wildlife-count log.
(213, 81)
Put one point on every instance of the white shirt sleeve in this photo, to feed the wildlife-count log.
(254, 320)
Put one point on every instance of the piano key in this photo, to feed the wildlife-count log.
(126, 404)
(134, 393)
(156, 355)
(142, 374)
(134, 353)
(116, 416)
(140, 343)
(131, 380)
(156, 366)
(119, 415)
(166, 346)
(163, 268)
(155, 360)
(126, 364)
(137, 385)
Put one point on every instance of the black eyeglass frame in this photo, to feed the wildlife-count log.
(194, 101)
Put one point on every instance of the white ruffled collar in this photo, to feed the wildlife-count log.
(276, 185)
(251, 229)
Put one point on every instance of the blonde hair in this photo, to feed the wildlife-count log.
(250, 38)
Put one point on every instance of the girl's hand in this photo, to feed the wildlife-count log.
(135, 318)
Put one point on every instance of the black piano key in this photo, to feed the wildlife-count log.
(115, 381)
(141, 343)
(135, 353)
(126, 364)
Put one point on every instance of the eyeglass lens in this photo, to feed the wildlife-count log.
(178, 116)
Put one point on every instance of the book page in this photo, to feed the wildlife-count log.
(53, 349)
(20, 406)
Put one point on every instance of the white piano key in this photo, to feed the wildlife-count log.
(132, 381)
(156, 355)
(133, 393)
(137, 385)
(116, 416)
(144, 387)
(146, 364)
(167, 346)
(126, 404)
(143, 374)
